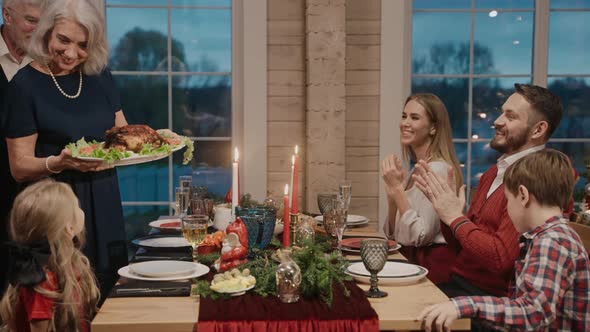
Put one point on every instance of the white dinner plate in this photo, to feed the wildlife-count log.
(162, 242)
(199, 270)
(390, 270)
(392, 280)
(135, 158)
(158, 269)
(166, 225)
(358, 251)
(351, 219)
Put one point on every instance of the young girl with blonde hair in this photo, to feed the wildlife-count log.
(425, 134)
(52, 287)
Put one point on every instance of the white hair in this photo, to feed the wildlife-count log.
(83, 12)
(14, 3)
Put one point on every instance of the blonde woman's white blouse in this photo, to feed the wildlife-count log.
(420, 225)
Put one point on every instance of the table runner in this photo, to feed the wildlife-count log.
(251, 312)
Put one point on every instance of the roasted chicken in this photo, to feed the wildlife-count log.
(132, 137)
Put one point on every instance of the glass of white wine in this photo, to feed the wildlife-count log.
(194, 230)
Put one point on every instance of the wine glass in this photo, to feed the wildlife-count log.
(374, 256)
(335, 221)
(325, 202)
(185, 181)
(345, 193)
(202, 206)
(194, 230)
(181, 199)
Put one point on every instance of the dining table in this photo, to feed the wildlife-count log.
(397, 311)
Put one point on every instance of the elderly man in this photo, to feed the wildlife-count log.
(20, 20)
(488, 240)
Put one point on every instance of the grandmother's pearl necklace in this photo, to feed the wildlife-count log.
(59, 87)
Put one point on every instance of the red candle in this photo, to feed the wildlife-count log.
(286, 221)
(294, 198)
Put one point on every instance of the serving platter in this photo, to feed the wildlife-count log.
(135, 158)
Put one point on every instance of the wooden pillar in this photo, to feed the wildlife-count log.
(326, 105)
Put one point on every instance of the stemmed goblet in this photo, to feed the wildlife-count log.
(194, 230)
(326, 202)
(374, 256)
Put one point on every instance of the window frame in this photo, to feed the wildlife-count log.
(248, 104)
(396, 46)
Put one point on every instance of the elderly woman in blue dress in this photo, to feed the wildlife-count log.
(65, 94)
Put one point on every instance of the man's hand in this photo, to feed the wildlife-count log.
(438, 317)
(441, 193)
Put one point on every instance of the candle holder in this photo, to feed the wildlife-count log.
(293, 226)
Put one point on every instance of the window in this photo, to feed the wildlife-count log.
(172, 63)
(471, 52)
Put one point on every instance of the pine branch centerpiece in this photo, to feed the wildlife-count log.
(321, 270)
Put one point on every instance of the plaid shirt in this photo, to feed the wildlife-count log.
(551, 288)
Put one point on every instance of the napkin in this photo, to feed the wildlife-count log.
(141, 288)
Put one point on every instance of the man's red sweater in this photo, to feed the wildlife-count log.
(489, 243)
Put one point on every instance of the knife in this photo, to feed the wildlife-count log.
(151, 290)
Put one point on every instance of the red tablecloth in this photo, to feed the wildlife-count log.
(251, 312)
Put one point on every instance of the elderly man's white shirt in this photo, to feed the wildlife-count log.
(9, 64)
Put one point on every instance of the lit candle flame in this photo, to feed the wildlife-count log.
(293, 160)
(296, 149)
(286, 189)
(236, 155)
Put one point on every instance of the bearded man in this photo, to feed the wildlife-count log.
(489, 243)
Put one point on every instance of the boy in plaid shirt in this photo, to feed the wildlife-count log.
(551, 286)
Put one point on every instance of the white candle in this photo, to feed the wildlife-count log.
(291, 183)
(235, 183)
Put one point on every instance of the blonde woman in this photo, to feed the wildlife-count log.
(65, 94)
(425, 134)
(52, 287)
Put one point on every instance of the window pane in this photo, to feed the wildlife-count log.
(577, 152)
(570, 4)
(489, 94)
(575, 97)
(137, 2)
(203, 40)
(210, 167)
(569, 46)
(454, 93)
(137, 219)
(503, 44)
(440, 43)
(202, 106)
(482, 158)
(461, 150)
(144, 99)
(502, 4)
(438, 4)
(201, 2)
(146, 182)
(138, 39)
